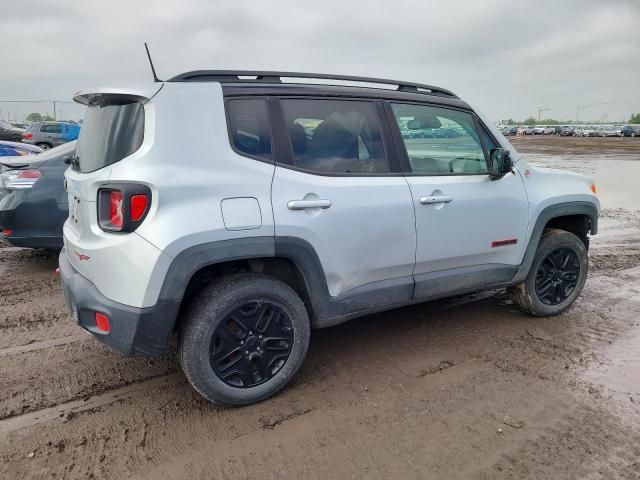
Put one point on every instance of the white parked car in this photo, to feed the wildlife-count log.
(299, 206)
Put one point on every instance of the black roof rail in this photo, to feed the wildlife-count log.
(267, 76)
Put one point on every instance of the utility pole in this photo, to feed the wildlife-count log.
(55, 116)
(540, 110)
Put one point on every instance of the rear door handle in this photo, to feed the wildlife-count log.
(302, 204)
(431, 199)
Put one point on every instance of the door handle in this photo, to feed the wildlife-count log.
(302, 204)
(431, 199)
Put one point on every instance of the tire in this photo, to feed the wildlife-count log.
(537, 301)
(43, 145)
(214, 361)
(16, 138)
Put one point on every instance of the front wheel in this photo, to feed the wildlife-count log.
(557, 275)
(243, 339)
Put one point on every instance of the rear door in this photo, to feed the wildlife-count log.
(469, 228)
(51, 133)
(112, 130)
(337, 186)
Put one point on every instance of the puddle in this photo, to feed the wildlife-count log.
(620, 370)
(616, 176)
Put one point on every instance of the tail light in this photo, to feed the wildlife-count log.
(27, 135)
(19, 179)
(123, 207)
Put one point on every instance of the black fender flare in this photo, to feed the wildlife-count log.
(547, 214)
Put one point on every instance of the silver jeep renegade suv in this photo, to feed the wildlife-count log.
(294, 205)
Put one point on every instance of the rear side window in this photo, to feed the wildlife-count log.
(249, 127)
(110, 132)
(51, 128)
(335, 136)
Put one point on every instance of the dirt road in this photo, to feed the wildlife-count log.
(467, 387)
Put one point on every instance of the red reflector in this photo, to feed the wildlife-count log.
(7, 231)
(102, 322)
(138, 207)
(27, 135)
(115, 209)
(58, 271)
(29, 174)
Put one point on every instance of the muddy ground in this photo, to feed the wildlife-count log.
(467, 387)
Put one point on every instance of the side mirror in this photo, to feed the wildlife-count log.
(499, 163)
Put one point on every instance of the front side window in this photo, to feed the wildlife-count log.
(440, 141)
(249, 127)
(335, 136)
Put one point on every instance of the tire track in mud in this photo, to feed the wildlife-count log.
(54, 342)
(37, 379)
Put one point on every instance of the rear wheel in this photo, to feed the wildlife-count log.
(43, 145)
(557, 275)
(244, 339)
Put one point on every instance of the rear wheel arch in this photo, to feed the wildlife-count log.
(292, 261)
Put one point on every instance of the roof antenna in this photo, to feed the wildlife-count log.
(153, 70)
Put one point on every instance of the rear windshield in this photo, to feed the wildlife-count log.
(110, 131)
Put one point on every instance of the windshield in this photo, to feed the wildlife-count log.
(110, 132)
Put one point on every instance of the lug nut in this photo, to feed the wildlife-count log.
(259, 336)
(241, 342)
(246, 352)
(250, 332)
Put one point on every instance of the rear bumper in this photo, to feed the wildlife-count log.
(133, 331)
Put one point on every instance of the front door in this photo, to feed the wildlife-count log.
(470, 229)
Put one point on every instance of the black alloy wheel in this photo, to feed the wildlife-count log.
(557, 276)
(251, 344)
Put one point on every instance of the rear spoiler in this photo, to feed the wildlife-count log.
(98, 95)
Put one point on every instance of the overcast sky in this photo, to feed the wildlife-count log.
(507, 58)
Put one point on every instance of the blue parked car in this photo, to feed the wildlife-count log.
(17, 149)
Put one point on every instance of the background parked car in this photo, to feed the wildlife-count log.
(33, 201)
(528, 130)
(567, 131)
(549, 130)
(22, 125)
(15, 149)
(9, 132)
(537, 130)
(607, 131)
(630, 131)
(51, 134)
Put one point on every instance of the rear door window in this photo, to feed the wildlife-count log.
(51, 128)
(110, 132)
(249, 127)
(335, 136)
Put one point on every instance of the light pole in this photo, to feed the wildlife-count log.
(540, 110)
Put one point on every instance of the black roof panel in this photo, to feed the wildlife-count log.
(304, 89)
